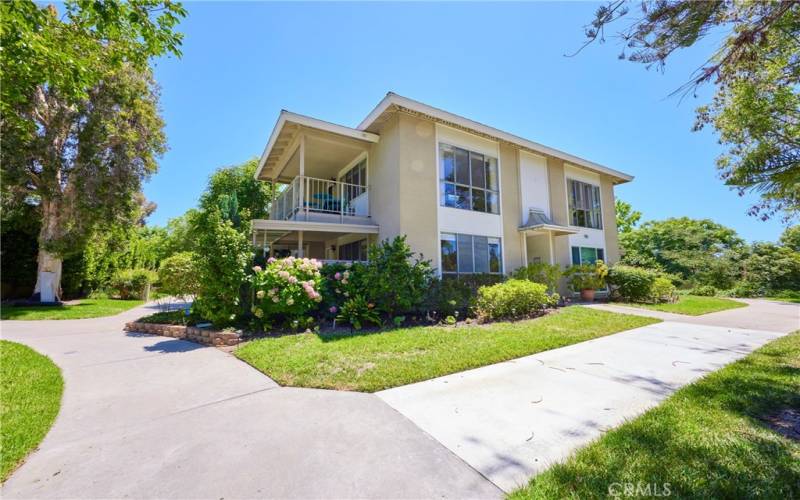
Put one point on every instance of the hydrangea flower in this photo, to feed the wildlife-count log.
(260, 294)
(257, 269)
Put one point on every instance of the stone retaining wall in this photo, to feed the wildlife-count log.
(199, 335)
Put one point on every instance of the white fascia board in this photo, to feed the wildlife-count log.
(441, 114)
(307, 121)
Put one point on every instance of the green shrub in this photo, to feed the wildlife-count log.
(221, 270)
(540, 272)
(662, 290)
(287, 289)
(397, 281)
(631, 284)
(704, 291)
(746, 289)
(357, 311)
(513, 299)
(133, 283)
(455, 295)
(178, 275)
(340, 281)
(787, 294)
(587, 276)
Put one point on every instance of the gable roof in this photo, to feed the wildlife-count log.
(393, 103)
(288, 123)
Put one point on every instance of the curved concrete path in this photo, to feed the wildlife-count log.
(513, 420)
(151, 417)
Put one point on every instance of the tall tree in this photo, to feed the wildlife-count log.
(681, 246)
(627, 217)
(236, 185)
(80, 121)
(756, 108)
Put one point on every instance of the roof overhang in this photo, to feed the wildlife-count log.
(554, 229)
(393, 103)
(283, 139)
(327, 227)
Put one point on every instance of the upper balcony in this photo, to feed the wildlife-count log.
(321, 200)
(322, 168)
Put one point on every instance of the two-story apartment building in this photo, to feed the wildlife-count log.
(469, 197)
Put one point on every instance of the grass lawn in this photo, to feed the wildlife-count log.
(692, 305)
(707, 440)
(29, 401)
(374, 361)
(87, 308)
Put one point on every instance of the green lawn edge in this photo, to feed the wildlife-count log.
(690, 305)
(370, 362)
(87, 308)
(707, 440)
(29, 402)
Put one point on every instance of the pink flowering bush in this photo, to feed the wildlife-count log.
(287, 289)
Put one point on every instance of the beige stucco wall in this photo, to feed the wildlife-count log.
(510, 208)
(418, 184)
(609, 219)
(558, 209)
(384, 180)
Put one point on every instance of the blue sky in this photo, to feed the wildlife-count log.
(500, 64)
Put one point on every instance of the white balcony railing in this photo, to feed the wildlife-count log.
(306, 197)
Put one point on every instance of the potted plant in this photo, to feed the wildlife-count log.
(587, 278)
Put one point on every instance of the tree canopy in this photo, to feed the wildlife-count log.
(627, 217)
(80, 121)
(756, 108)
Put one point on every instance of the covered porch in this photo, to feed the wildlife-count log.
(316, 240)
(319, 171)
(539, 237)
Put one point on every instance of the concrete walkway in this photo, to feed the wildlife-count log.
(514, 419)
(151, 417)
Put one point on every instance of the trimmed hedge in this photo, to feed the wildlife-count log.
(513, 299)
(637, 284)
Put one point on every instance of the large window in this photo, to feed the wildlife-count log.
(356, 250)
(587, 255)
(464, 254)
(584, 204)
(469, 180)
(356, 175)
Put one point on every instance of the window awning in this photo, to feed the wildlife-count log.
(539, 222)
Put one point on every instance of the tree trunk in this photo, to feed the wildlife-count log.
(48, 262)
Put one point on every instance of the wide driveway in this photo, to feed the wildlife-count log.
(151, 417)
(514, 419)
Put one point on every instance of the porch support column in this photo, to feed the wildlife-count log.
(300, 244)
(550, 242)
(303, 154)
(525, 248)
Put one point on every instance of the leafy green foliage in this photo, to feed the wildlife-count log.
(222, 270)
(81, 127)
(627, 217)
(631, 284)
(540, 272)
(237, 193)
(287, 288)
(178, 275)
(455, 295)
(358, 312)
(681, 246)
(133, 283)
(587, 276)
(396, 283)
(663, 290)
(756, 108)
(790, 238)
(704, 291)
(513, 299)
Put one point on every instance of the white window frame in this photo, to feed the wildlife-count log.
(457, 272)
(569, 202)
